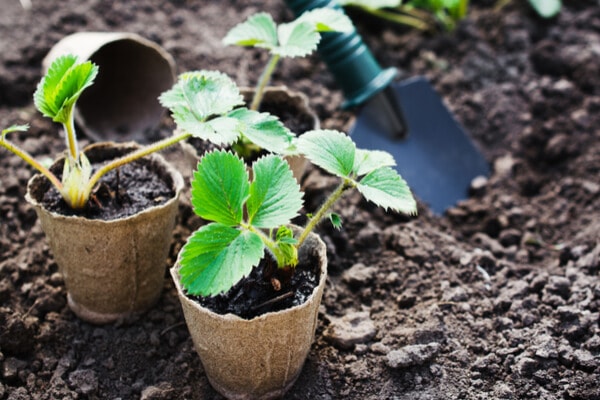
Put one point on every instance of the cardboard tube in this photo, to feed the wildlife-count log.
(122, 104)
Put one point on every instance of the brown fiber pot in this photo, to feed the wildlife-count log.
(259, 358)
(112, 269)
(123, 103)
(296, 106)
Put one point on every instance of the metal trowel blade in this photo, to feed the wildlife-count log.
(435, 155)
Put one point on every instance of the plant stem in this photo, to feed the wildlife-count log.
(265, 78)
(320, 214)
(409, 18)
(135, 155)
(33, 162)
(267, 241)
(70, 137)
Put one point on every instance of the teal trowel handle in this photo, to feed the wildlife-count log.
(355, 70)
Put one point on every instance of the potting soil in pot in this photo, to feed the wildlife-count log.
(130, 189)
(255, 295)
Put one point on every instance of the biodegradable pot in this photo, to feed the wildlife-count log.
(112, 269)
(123, 102)
(294, 105)
(260, 358)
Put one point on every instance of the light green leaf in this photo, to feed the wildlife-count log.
(297, 39)
(546, 8)
(366, 161)
(220, 187)
(288, 252)
(285, 235)
(264, 130)
(294, 39)
(331, 150)
(62, 85)
(220, 130)
(43, 97)
(371, 4)
(387, 189)
(216, 257)
(327, 20)
(258, 30)
(14, 128)
(275, 196)
(198, 95)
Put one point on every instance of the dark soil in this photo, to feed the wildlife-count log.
(497, 299)
(120, 193)
(267, 289)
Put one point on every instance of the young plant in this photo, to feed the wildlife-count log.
(202, 102)
(251, 216)
(419, 14)
(208, 105)
(298, 38)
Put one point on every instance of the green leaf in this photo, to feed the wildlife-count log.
(216, 257)
(14, 128)
(198, 95)
(285, 235)
(220, 130)
(220, 187)
(297, 39)
(327, 20)
(275, 196)
(366, 161)
(62, 85)
(331, 150)
(294, 39)
(387, 189)
(258, 30)
(264, 130)
(286, 247)
(336, 220)
(546, 8)
(371, 4)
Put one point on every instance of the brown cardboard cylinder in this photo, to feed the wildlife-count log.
(297, 101)
(259, 358)
(114, 268)
(122, 104)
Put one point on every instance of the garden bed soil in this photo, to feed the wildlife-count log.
(497, 299)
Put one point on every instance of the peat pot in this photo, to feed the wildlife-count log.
(260, 358)
(123, 103)
(112, 269)
(293, 110)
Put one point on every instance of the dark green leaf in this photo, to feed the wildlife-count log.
(220, 187)
(336, 221)
(275, 196)
(216, 257)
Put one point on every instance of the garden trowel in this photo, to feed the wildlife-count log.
(407, 119)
